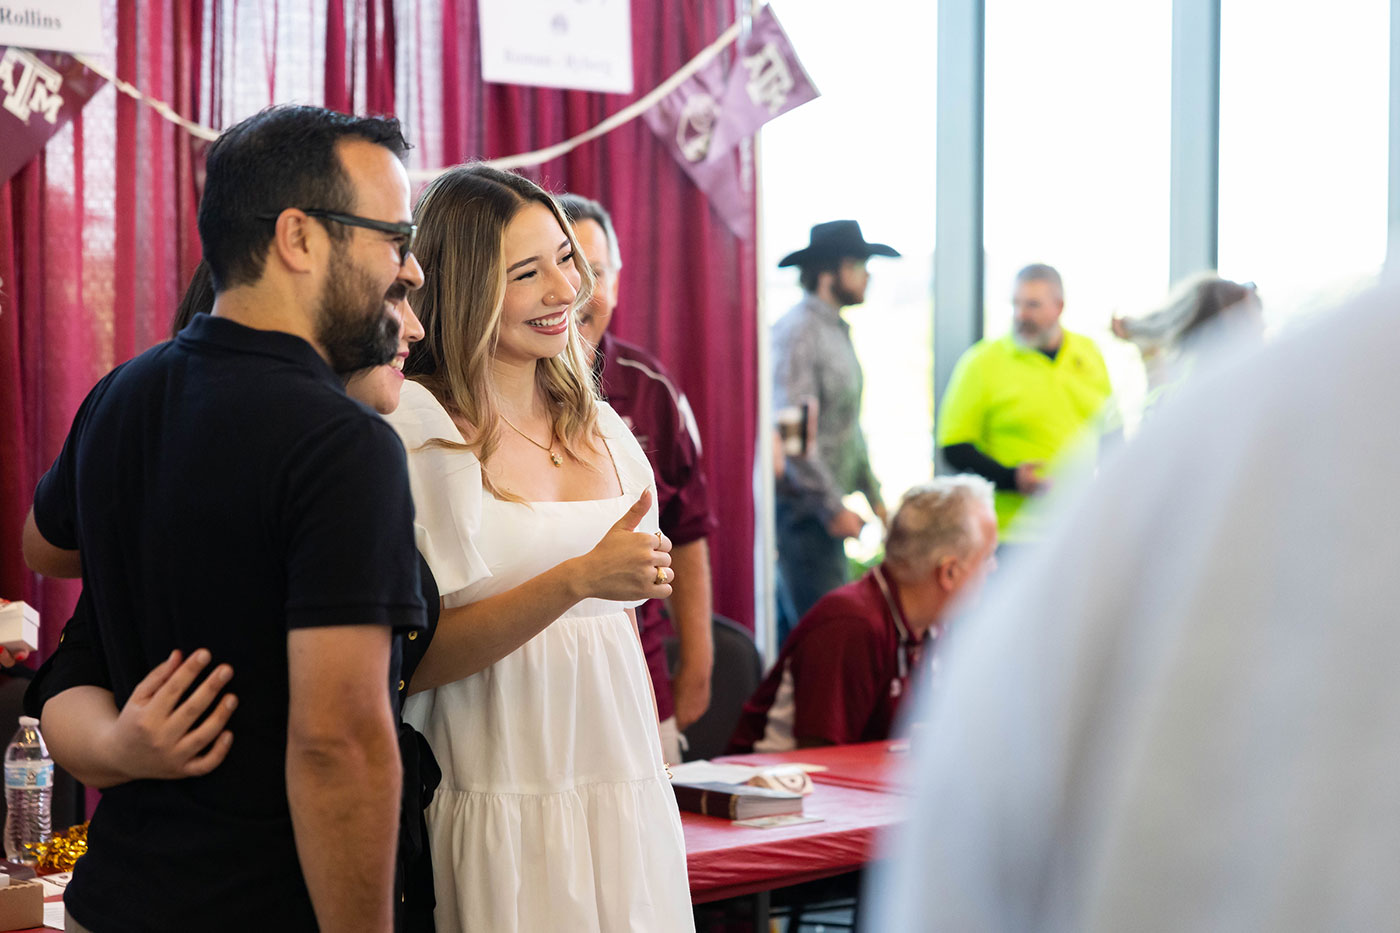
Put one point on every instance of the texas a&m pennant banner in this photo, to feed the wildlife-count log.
(703, 120)
(39, 93)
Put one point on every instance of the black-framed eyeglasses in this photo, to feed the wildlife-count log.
(406, 230)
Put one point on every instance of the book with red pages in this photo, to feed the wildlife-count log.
(734, 801)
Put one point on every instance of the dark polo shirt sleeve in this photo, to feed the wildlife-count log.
(348, 514)
(77, 661)
(55, 496)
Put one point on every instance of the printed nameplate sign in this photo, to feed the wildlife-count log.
(580, 44)
(53, 25)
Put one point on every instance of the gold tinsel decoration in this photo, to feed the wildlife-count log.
(61, 851)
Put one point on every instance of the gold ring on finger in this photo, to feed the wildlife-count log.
(660, 575)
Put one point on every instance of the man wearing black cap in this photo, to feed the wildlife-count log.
(813, 359)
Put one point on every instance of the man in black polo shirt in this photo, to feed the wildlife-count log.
(225, 493)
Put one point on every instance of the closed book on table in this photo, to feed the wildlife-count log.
(734, 801)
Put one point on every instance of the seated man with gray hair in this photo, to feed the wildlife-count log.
(844, 669)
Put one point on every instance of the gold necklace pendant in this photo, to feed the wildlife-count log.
(554, 458)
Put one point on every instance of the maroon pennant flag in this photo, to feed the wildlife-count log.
(704, 119)
(39, 93)
(685, 121)
(765, 82)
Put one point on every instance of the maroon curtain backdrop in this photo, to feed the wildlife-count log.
(97, 235)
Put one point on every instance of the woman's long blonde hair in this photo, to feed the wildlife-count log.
(462, 217)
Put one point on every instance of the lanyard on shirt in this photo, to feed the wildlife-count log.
(899, 626)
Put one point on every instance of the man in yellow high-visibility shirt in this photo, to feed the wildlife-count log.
(1015, 403)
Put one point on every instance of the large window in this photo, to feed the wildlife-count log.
(865, 150)
(1303, 122)
(1077, 170)
(1078, 162)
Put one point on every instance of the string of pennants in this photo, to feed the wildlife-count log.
(701, 113)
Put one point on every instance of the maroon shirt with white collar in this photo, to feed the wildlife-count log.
(638, 389)
(839, 678)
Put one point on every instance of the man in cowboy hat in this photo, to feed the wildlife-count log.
(813, 360)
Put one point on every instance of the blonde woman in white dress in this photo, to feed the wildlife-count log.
(535, 511)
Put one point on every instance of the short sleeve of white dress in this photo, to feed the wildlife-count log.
(633, 469)
(447, 491)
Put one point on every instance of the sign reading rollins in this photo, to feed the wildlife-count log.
(54, 25)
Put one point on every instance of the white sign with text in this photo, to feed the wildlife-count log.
(56, 25)
(581, 44)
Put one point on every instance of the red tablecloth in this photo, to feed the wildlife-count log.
(726, 860)
(876, 766)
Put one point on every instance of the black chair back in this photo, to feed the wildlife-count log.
(737, 673)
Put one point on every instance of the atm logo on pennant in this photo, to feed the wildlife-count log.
(770, 80)
(40, 92)
(30, 86)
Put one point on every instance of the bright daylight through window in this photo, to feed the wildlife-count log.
(864, 150)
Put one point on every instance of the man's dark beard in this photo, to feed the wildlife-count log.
(351, 325)
(843, 295)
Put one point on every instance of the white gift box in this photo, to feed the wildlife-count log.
(19, 626)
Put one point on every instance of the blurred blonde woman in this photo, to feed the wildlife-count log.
(535, 513)
(1203, 308)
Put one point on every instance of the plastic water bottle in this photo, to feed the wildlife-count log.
(28, 791)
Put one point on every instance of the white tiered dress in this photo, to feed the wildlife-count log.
(554, 812)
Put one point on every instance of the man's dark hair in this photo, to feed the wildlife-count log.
(282, 157)
(808, 272)
(578, 208)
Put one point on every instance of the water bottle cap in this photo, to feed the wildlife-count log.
(28, 722)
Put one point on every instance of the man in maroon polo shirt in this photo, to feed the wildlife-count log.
(844, 670)
(633, 382)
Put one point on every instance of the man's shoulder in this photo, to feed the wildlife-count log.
(125, 381)
(296, 405)
(624, 350)
(332, 423)
(988, 351)
(1082, 343)
(286, 396)
(978, 362)
(800, 317)
(847, 611)
(1083, 355)
(148, 362)
(640, 368)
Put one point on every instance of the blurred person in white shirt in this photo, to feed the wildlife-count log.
(1201, 729)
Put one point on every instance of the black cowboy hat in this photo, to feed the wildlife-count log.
(836, 239)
